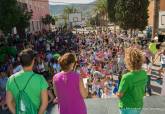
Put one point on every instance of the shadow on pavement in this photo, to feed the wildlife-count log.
(156, 89)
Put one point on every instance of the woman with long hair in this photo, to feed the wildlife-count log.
(69, 87)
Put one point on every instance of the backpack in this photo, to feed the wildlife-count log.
(24, 104)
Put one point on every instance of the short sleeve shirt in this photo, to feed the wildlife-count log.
(147, 68)
(133, 85)
(162, 59)
(34, 88)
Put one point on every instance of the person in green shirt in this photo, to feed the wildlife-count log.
(36, 87)
(133, 83)
(152, 47)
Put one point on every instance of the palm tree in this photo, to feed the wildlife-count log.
(47, 20)
(155, 17)
(68, 10)
(55, 19)
(111, 11)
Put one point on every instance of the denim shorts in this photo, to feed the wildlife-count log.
(130, 111)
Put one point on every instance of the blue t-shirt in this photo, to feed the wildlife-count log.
(3, 82)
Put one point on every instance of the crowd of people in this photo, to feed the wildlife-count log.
(48, 46)
(100, 59)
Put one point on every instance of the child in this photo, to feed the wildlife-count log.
(147, 66)
(115, 89)
(106, 93)
(94, 94)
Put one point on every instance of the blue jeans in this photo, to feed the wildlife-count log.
(130, 111)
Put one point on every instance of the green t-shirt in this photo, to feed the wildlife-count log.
(152, 48)
(33, 89)
(133, 85)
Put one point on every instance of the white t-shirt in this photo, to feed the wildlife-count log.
(94, 86)
(162, 59)
(57, 39)
(120, 59)
(147, 68)
(41, 67)
(52, 44)
(48, 47)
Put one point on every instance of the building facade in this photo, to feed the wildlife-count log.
(40, 8)
(151, 10)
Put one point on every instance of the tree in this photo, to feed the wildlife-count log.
(67, 11)
(111, 10)
(11, 15)
(94, 21)
(155, 17)
(132, 14)
(55, 19)
(48, 19)
(102, 9)
(23, 23)
(8, 17)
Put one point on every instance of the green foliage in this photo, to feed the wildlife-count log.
(6, 50)
(55, 18)
(68, 10)
(88, 23)
(24, 17)
(94, 21)
(48, 19)
(132, 14)
(8, 17)
(101, 9)
(101, 6)
(11, 15)
(111, 10)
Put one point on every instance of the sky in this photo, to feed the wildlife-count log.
(56, 2)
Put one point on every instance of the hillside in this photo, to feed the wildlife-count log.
(58, 9)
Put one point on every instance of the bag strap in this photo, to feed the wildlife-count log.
(26, 83)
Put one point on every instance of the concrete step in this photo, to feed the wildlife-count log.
(152, 105)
